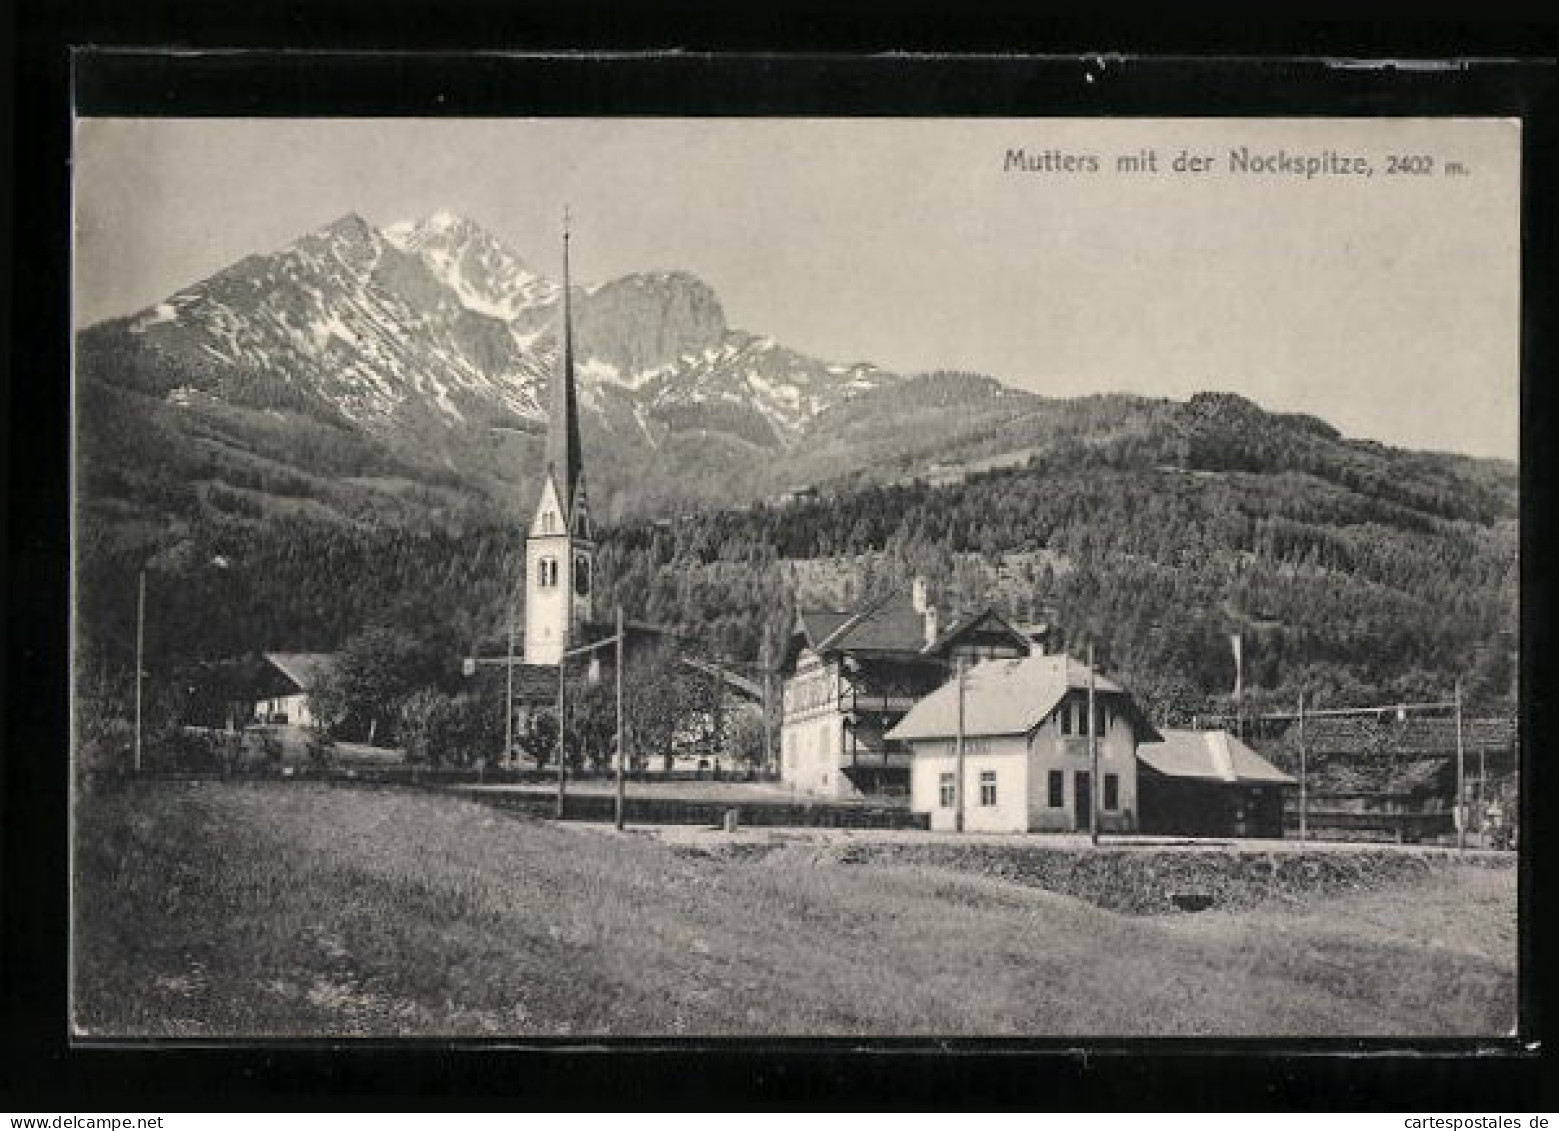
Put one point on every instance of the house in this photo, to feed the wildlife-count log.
(1208, 783)
(849, 677)
(282, 692)
(1027, 760)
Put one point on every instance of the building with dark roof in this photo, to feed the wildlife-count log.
(850, 676)
(1208, 783)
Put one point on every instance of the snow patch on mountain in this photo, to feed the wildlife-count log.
(435, 320)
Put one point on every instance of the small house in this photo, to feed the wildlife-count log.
(1208, 783)
(282, 696)
(1027, 756)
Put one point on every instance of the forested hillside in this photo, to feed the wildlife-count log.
(1353, 571)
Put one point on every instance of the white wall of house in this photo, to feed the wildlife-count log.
(990, 765)
(1023, 768)
(295, 707)
(812, 733)
(1052, 750)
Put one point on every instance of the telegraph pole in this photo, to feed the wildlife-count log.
(622, 747)
(508, 689)
(768, 738)
(1461, 775)
(1303, 782)
(140, 660)
(1093, 753)
(958, 755)
(562, 667)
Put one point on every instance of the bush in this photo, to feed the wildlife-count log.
(465, 730)
(445, 730)
(321, 749)
(183, 751)
(417, 720)
(104, 748)
(538, 737)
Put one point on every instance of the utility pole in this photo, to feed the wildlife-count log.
(1093, 756)
(562, 667)
(768, 737)
(1461, 775)
(140, 659)
(1483, 787)
(622, 747)
(958, 755)
(508, 689)
(1304, 799)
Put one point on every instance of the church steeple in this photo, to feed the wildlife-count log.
(559, 549)
(565, 464)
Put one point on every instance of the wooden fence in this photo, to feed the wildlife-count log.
(685, 811)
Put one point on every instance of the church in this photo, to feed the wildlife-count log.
(560, 615)
(560, 546)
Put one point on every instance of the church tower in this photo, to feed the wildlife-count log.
(560, 548)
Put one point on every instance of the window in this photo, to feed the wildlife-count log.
(1112, 792)
(945, 791)
(582, 576)
(987, 787)
(1082, 717)
(1099, 721)
(1066, 718)
(1057, 789)
(549, 573)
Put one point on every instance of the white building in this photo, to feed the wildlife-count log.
(1027, 761)
(849, 677)
(285, 685)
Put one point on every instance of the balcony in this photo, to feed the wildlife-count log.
(896, 704)
(1072, 745)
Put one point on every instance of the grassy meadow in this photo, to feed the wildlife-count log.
(287, 909)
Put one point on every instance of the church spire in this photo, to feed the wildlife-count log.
(564, 460)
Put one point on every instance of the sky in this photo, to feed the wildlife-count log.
(1385, 304)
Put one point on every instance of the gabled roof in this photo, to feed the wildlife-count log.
(1209, 755)
(892, 626)
(1006, 697)
(303, 669)
(986, 618)
(818, 625)
(889, 624)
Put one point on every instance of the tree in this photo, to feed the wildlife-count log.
(465, 730)
(538, 737)
(418, 722)
(327, 701)
(746, 739)
(377, 669)
(592, 722)
(667, 705)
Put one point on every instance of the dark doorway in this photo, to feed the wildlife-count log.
(1082, 801)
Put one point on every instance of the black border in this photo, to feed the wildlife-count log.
(710, 68)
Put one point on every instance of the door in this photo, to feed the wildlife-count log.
(1082, 786)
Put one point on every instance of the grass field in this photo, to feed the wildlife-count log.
(217, 909)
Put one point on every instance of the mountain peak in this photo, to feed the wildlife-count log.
(350, 224)
(439, 227)
(488, 278)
